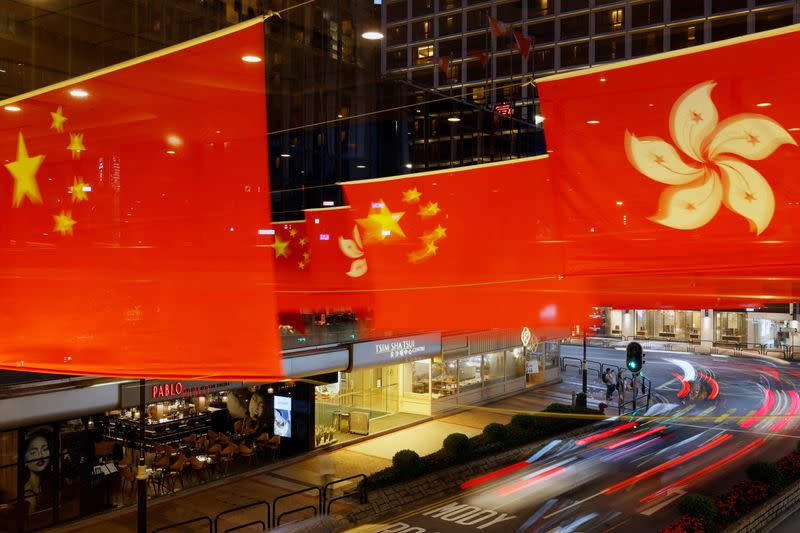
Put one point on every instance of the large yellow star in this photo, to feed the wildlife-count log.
(281, 247)
(430, 209)
(78, 190)
(64, 223)
(76, 145)
(381, 223)
(411, 195)
(58, 120)
(24, 172)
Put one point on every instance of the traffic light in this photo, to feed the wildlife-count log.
(634, 357)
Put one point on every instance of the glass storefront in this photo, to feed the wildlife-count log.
(730, 327)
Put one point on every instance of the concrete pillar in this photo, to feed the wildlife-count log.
(627, 323)
(707, 327)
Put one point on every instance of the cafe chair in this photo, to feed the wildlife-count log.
(198, 468)
(202, 443)
(273, 444)
(162, 462)
(128, 478)
(177, 469)
(212, 435)
(226, 457)
(245, 452)
(237, 426)
(224, 439)
(190, 440)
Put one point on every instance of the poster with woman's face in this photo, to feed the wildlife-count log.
(37, 449)
(283, 416)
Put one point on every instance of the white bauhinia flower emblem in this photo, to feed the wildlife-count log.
(354, 250)
(715, 173)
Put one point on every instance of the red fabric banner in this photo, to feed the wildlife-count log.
(677, 173)
(475, 247)
(132, 204)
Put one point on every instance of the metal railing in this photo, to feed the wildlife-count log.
(186, 523)
(317, 508)
(361, 491)
(292, 511)
(253, 523)
(242, 508)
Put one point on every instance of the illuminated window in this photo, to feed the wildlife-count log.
(612, 20)
(424, 53)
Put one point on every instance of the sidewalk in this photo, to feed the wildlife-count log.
(363, 457)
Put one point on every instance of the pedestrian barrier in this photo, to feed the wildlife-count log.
(317, 508)
(361, 490)
(253, 523)
(186, 523)
(242, 508)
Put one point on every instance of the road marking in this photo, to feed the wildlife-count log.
(728, 413)
(571, 506)
(666, 385)
(707, 411)
(676, 493)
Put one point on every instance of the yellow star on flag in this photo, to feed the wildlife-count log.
(76, 145)
(64, 223)
(24, 172)
(431, 248)
(306, 256)
(429, 210)
(281, 247)
(440, 232)
(301, 265)
(292, 232)
(78, 190)
(58, 120)
(411, 195)
(382, 223)
(303, 241)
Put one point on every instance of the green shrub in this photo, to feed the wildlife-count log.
(495, 432)
(698, 506)
(558, 408)
(457, 446)
(407, 463)
(766, 473)
(524, 422)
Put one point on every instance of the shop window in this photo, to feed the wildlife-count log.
(684, 9)
(611, 20)
(453, 75)
(574, 54)
(493, 368)
(469, 373)
(552, 356)
(396, 35)
(719, 6)
(417, 376)
(543, 32)
(450, 24)
(728, 28)
(477, 19)
(645, 43)
(540, 8)
(544, 59)
(730, 327)
(685, 36)
(510, 12)
(421, 7)
(396, 11)
(609, 49)
(396, 59)
(573, 5)
(647, 13)
(767, 20)
(8, 471)
(423, 54)
(478, 94)
(444, 381)
(515, 364)
(572, 27)
(451, 48)
(422, 29)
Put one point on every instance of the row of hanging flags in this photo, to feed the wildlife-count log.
(137, 238)
(499, 29)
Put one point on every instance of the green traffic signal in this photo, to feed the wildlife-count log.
(634, 357)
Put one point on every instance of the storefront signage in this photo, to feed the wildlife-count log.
(504, 109)
(283, 416)
(525, 336)
(390, 351)
(161, 391)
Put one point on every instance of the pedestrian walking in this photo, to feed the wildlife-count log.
(611, 385)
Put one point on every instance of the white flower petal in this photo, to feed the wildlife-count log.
(693, 118)
(349, 248)
(658, 160)
(358, 268)
(690, 206)
(748, 135)
(747, 192)
(357, 237)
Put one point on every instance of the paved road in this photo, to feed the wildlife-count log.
(717, 414)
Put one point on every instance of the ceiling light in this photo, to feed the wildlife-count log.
(593, 122)
(361, 166)
(174, 140)
(763, 104)
(372, 35)
(170, 152)
(408, 165)
(453, 119)
(286, 155)
(602, 79)
(538, 119)
(794, 129)
(79, 93)
(12, 108)
(251, 59)
(619, 202)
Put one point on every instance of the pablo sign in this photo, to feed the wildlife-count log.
(159, 391)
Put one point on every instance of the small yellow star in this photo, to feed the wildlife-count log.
(440, 232)
(78, 191)
(431, 248)
(301, 265)
(306, 256)
(659, 160)
(429, 210)
(76, 145)
(292, 232)
(749, 196)
(411, 195)
(303, 241)
(24, 172)
(690, 206)
(752, 139)
(281, 247)
(64, 223)
(58, 120)
(696, 117)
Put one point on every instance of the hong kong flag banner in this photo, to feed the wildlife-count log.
(679, 172)
(133, 219)
(475, 247)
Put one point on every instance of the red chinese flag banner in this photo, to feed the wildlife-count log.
(133, 206)
(678, 173)
(475, 247)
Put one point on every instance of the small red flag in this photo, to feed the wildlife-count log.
(523, 44)
(443, 62)
(499, 27)
(482, 55)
